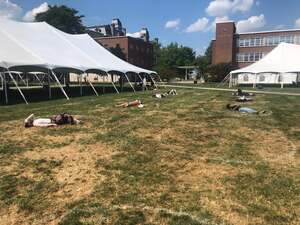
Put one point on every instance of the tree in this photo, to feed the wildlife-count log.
(156, 50)
(170, 57)
(63, 18)
(217, 73)
(208, 53)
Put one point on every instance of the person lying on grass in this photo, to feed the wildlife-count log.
(136, 103)
(238, 108)
(241, 93)
(244, 99)
(56, 120)
(159, 95)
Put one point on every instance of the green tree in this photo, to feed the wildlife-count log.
(63, 18)
(170, 57)
(208, 53)
(202, 62)
(216, 73)
(156, 51)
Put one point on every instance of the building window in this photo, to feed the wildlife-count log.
(268, 41)
(242, 43)
(249, 57)
(276, 40)
(247, 42)
(257, 56)
(262, 78)
(246, 78)
(246, 57)
(257, 42)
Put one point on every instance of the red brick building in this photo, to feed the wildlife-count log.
(134, 50)
(243, 49)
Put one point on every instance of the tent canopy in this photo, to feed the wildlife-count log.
(40, 47)
(285, 58)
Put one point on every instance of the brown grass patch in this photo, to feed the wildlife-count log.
(274, 147)
(201, 176)
(76, 176)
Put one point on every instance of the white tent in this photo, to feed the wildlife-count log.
(35, 47)
(280, 66)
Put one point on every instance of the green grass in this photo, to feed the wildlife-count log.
(268, 88)
(184, 159)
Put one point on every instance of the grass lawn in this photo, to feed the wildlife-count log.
(286, 89)
(180, 160)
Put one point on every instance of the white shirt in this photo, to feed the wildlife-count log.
(42, 123)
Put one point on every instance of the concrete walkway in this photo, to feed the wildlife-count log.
(230, 90)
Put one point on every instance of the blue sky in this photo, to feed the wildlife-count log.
(188, 22)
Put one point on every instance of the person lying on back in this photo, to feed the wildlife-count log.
(242, 93)
(56, 120)
(136, 103)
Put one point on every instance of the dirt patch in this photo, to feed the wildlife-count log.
(13, 216)
(76, 177)
(207, 178)
(274, 147)
(159, 135)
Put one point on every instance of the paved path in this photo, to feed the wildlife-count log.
(231, 90)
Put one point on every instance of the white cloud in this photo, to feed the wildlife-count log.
(30, 15)
(199, 25)
(242, 5)
(251, 24)
(172, 23)
(297, 23)
(221, 8)
(9, 10)
(212, 27)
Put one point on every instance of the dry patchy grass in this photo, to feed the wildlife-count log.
(180, 160)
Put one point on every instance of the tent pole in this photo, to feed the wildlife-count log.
(254, 84)
(112, 81)
(36, 76)
(142, 80)
(280, 74)
(5, 88)
(49, 85)
(230, 81)
(17, 86)
(129, 82)
(90, 83)
(27, 79)
(80, 83)
(186, 74)
(153, 81)
(103, 84)
(2, 82)
(161, 81)
(60, 86)
(19, 74)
